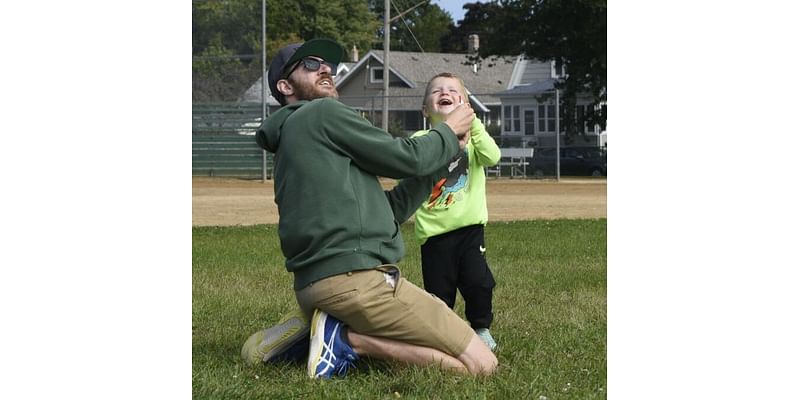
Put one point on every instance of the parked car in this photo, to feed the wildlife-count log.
(575, 161)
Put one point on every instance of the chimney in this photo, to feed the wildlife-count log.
(354, 54)
(473, 44)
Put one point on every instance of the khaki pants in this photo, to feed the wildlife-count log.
(378, 302)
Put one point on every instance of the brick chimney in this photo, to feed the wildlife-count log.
(473, 44)
(354, 54)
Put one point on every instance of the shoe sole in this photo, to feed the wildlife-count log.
(317, 338)
(265, 345)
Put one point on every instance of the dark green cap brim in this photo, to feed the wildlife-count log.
(325, 49)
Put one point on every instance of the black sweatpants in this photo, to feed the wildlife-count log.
(456, 260)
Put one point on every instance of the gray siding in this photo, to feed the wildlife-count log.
(535, 71)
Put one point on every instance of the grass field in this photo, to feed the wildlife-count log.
(549, 303)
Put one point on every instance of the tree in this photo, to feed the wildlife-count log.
(226, 37)
(428, 23)
(571, 32)
(349, 22)
(480, 19)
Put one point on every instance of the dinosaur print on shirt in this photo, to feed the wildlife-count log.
(446, 191)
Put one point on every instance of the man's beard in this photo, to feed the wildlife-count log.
(310, 90)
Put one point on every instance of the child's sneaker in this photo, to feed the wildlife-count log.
(329, 353)
(487, 338)
(286, 341)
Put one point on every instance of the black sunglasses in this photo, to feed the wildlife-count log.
(312, 64)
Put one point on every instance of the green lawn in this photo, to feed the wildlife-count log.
(549, 303)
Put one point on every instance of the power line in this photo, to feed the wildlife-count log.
(406, 24)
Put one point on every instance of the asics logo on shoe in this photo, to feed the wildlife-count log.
(329, 353)
(327, 356)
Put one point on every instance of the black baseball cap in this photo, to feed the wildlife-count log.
(325, 49)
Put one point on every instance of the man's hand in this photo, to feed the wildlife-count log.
(463, 140)
(460, 121)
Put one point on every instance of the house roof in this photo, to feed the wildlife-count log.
(530, 89)
(490, 76)
(253, 94)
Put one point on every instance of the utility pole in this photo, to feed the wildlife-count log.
(386, 21)
(558, 138)
(385, 113)
(263, 82)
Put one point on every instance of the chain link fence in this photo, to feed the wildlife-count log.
(227, 111)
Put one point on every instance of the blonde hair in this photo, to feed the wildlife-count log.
(443, 75)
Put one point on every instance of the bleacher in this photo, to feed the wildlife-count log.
(515, 161)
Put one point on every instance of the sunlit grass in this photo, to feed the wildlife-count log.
(549, 303)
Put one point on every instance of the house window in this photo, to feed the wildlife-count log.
(376, 75)
(511, 120)
(604, 112)
(558, 69)
(529, 122)
(494, 116)
(547, 119)
(582, 114)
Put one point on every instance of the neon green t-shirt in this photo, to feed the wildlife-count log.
(459, 200)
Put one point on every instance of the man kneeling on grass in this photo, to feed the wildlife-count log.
(340, 231)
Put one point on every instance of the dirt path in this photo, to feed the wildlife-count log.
(228, 201)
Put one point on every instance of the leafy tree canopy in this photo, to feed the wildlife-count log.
(481, 19)
(226, 37)
(572, 32)
(429, 24)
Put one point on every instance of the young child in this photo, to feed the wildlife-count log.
(449, 224)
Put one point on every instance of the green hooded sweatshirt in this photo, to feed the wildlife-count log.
(335, 216)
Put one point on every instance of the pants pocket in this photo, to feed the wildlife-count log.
(339, 298)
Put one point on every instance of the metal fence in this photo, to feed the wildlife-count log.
(229, 155)
(223, 144)
(223, 141)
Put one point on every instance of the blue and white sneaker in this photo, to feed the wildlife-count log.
(328, 353)
(286, 341)
(486, 337)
